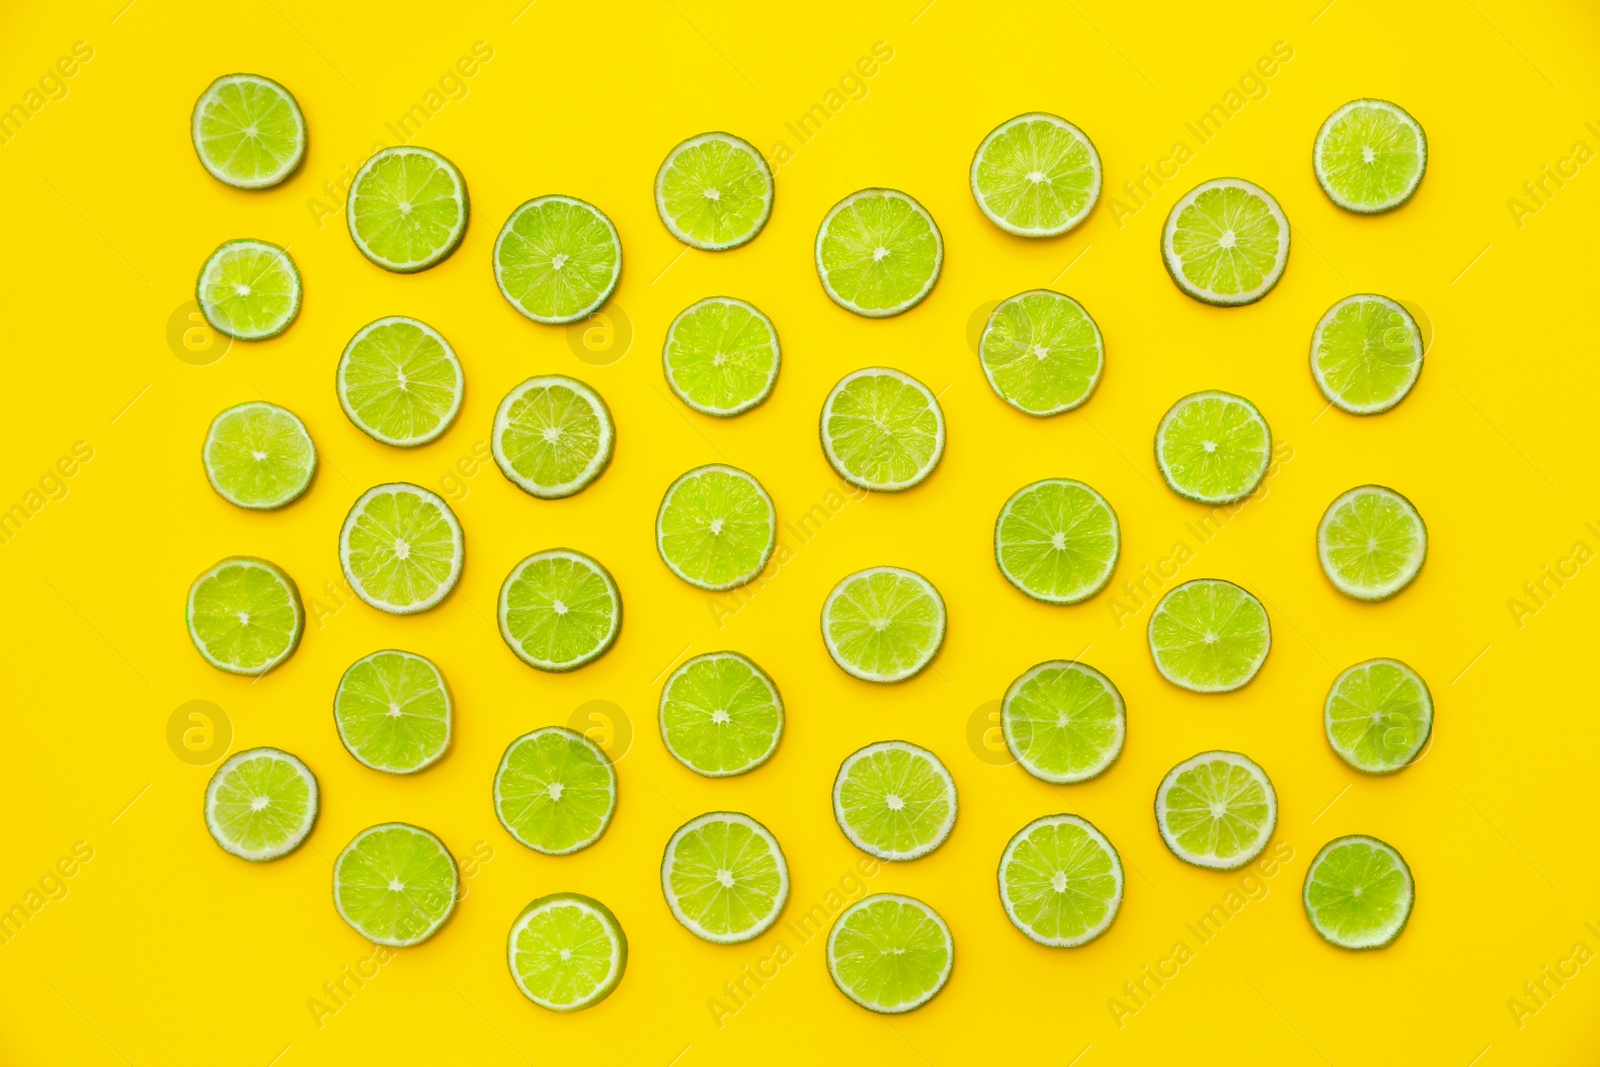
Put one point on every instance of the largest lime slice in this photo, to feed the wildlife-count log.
(1369, 156)
(567, 952)
(261, 804)
(248, 131)
(889, 953)
(883, 624)
(1057, 540)
(1226, 242)
(395, 884)
(399, 382)
(1060, 881)
(249, 290)
(258, 455)
(1036, 175)
(552, 436)
(555, 791)
(559, 609)
(1366, 354)
(557, 259)
(716, 528)
(393, 711)
(1216, 810)
(244, 615)
(401, 548)
(407, 208)
(1041, 352)
(1063, 721)
(1209, 636)
(878, 253)
(1371, 542)
(724, 877)
(1358, 892)
(714, 191)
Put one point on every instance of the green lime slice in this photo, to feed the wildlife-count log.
(1378, 715)
(555, 791)
(395, 884)
(1057, 540)
(724, 877)
(261, 804)
(1041, 352)
(1060, 881)
(714, 192)
(894, 800)
(1226, 242)
(1213, 447)
(552, 436)
(1209, 636)
(399, 382)
(407, 209)
(882, 430)
(567, 952)
(559, 610)
(249, 290)
(258, 455)
(557, 259)
(248, 131)
(721, 715)
(393, 711)
(716, 528)
(1369, 156)
(1371, 542)
(244, 615)
(878, 253)
(1366, 354)
(1036, 175)
(1063, 721)
(1358, 892)
(401, 548)
(1216, 810)
(889, 953)
(883, 624)
(721, 356)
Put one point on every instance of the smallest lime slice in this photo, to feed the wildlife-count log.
(1366, 354)
(1369, 156)
(721, 356)
(248, 131)
(567, 952)
(894, 800)
(721, 715)
(245, 615)
(395, 884)
(249, 290)
(393, 711)
(1213, 447)
(889, 953)
(1358, 892)
(259, 456)
(714, 192)
(1378, 715)
(407, 208)
(1372, 542)
(1216, 810)
(399, 382)
(1063, 721)
(261, 804)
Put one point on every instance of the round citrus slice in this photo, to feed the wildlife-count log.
(248, 131)
(259, 456)
(882, 430)
(1209, 636)
(1366, 354)
(721, 356)
(393, 711)
(1358, 892)
(401, 548)
(878, 253)
(1213, 447)
(1371, 542)
(1369, 156)
(1060, 881)
(720, 715)
(244, 616)
(249, 290)
(1216, 810)
(1036, 175)
(567, 952)
(552, 436)
(407, 208)
(1226, 242)
(395, 884)
(1041, 352)
(883, 624)
(1378, 715)
(559, 609)
(724, 877)
(1063, 721)
(716, 528)
(399, 382)
(261, 804)
(714, 192)
(555, 791)
(894, 800)
(557, 259)
(889, 953)
(1057, 540)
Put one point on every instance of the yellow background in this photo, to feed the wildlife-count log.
(166, 950)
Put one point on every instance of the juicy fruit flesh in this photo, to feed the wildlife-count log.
(1037, 175)
(1061, 883)
(553, 435)
(725, 877)
(720, 715)
(244, 615)
(557, 258)
(896, 800)
(717, 528)
(716, 192)
(407, 208)
(260, 455)
(248, 289)
(1219, 810)
(1215, 448)
(400, 381)
(1372, 540)
(1042, 352)
(1058, 540)
(556, 790)
(1367, 353)
(1358, 894)
(249, 131)
(889, 953)
(1378, 716)
(884, 430)
(262, 803)
(560, 610)
(1371, 157)
(879, 253)
(1210, 634)
(393, 711)
(396, 884)
(564, 952)
(402, 548)
(885, 624)
(721, 356)
(1227, 241)
(1062, 721)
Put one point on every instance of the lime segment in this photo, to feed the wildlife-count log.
(1216, 810)
(894, 800)
(1213, 447)
(557, 259)
(399, 382)
(261, 804)
(258, 455)
(407, 209)
(1358, 892)
(714, 192)
(1063, 721)
(1366, 354)
(249, 290)
(1041, 352)
(1378, 715)
(1226, 242)
(555, 791)
(883, 624)
(393, 711)
(395, 884)
(721, 356)
(552, 436)
(1371, 542)
(882, 430)
(559, 610)
(720, 715)
(716, 528)
(401, 548)
(878, 253)
(889, 953)
(244, 616)
(724, 877)
(248, 131)
(1036, 175)
(1209, 636)
(1369, 156)
(1060, 881)
(567, 952)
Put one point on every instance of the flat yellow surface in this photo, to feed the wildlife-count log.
(161, 949)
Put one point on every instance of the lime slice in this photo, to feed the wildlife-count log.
(559, 610)
(1216, 810)
(555, 791)
(557, 259)
(399, 381)
(894, 800)
(724, 877)
(1063, 721)
(248, 131)
(1209, 636)
(721, 715)
(407, 209)
(244, 615)
(1041, 352)
(882, 430)
(1036, 175)
(878, 253)
(889, 953)
(1057, 540)
(1369, 156)
(401, 548)
(1378, 715)
(1213, 447)
(395, 884)
(1226, 242)
(721, 356)
(1371, 542)
(249, 290)
(552, 436)
(261, 804)
(883, 624)
(393, 711)
(716, 528)
(567, 952)
(1366, 354)
(1358, 892)
(258, 455)
(1060, 881)
(714, 191)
